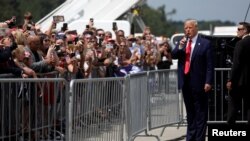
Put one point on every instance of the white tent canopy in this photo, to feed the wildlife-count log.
(73, 10)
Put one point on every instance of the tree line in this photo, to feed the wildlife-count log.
(160, 24)
(38, 8)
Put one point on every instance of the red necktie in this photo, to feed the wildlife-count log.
(187, 60)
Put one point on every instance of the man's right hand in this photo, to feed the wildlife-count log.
(182, 42)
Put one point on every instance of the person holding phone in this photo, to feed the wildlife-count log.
(64, 27)
(11, 23)
(58, 18)
(107, 36)
(114, 26)
(28, 23)
(87, 27)
(91, 22)
(100, 36)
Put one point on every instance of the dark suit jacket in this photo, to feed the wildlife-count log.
(7, 64)
(241, 63)
(201, 67)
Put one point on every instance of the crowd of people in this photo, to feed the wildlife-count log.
(26, 50)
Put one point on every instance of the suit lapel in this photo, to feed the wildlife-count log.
(196, 48)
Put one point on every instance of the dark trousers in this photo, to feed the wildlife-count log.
(235, 98)
(196, 103)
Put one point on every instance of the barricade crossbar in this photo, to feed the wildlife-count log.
(103, 109)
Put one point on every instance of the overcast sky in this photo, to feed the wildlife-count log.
(224, 10)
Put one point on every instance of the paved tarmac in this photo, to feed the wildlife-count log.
(172, 133)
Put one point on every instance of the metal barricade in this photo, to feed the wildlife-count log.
(137, 104)
(152, 101)
(33, 109)
(218, 102)
(97, 109)
(106, 109)
(53, 74)
(164, 105)
(7, 75)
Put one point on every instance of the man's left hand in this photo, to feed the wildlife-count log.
(207, 87)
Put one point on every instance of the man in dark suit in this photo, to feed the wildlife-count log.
(239, 82)
(196, 72)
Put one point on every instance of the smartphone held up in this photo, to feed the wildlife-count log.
(58, 18)
(114, 26)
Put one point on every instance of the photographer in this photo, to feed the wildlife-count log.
(11, 23)
(164, 56)
(28, 23)
(110, 55)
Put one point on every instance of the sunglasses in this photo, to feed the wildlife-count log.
(239, 29)
(100, 34)
(107, 35)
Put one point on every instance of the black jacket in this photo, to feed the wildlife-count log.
(7, 64)
(241, 63)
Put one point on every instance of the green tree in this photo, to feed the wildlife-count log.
(158, 21)
(38, 8)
